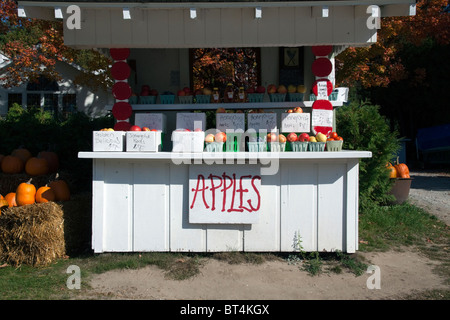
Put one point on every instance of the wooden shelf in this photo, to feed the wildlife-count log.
(233, 106)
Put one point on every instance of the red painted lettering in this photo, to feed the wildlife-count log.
(241, 191)
(196, 190)
(224, 189)
(213, 190)
(257, 194)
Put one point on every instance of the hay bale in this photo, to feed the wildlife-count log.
(32, 234)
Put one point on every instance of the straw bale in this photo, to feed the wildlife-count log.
(32, 234)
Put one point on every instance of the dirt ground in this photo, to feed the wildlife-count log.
(401, 273)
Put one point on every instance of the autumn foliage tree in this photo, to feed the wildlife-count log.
(407, 71)
(34, 46)
(381, 63)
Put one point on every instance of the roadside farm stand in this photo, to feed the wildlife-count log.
(156, 191)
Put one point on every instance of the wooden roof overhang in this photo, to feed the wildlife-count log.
(193, 24)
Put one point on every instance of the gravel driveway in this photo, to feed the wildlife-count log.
(430, 189)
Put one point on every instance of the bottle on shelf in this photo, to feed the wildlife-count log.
(229, 93)
(241, 95)
(215, 97)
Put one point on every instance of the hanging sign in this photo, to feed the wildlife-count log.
(295, 122)
(322, 117)
(322, 88)
(152, 121)
(233, 121)
(191, 120)
(262, 121)
(230, 195)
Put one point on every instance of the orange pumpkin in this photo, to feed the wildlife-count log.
(36, 166)
(52, 160)
(22, 153)
(392, 171)
(402, 170)
(11, 198)
(3, 203)
(44, 194)
(12, 164)
(61, 190)
(25, 194)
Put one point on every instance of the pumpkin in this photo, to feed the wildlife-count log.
(22, 153)
(11, 198)
(25, 193)
(12, 164)
(392, 170)
(402, 170)
(61, 190)
(36, 166)
(44, 194)
(52, 160)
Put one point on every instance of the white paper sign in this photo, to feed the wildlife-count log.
(191, 120)
(108, 140)
(295, 122)
(322, 90)
(232, 121)
(262, 121)
(224, 195)
(151, 120)
(323, 118)
(187, 141)
(142, 141)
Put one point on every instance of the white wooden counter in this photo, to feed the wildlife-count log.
(141, 202)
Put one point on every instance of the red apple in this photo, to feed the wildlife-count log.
(281, 138)
(181, 93)
(303, 137)
(145, 129)
(187, 90)
(260, 89)
(298, 110)
(135, 128)
(272, 137)
(271, 88)
(153, 92)
(290, 111)
(292, 137)
(209, 138)
(250, 90)
(220, 137)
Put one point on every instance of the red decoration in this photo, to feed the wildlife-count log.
(322, 67)
(329, 86)
(119, 53)
(120, 70)
(122, 110)
(122, 126)
(326, 106)
(121, 90)
(321, 51)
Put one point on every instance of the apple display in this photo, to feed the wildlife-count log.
(303, 137)
(135, 128)
(220, 137)
(146, 129)
(209, 138)
(282, 138)
(292, 137)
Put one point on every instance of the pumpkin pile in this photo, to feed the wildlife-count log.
(398, 170)
(27, 193)
(22, 160)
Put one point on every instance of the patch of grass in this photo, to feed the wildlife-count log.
(236, 257)
(386, 227)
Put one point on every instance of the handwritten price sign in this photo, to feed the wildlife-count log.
(232, 121)
(295, 122)
(262, 121)
(230, 195)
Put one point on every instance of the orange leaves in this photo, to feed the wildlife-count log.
(380, 64)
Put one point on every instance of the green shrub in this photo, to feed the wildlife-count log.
(363, 128)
